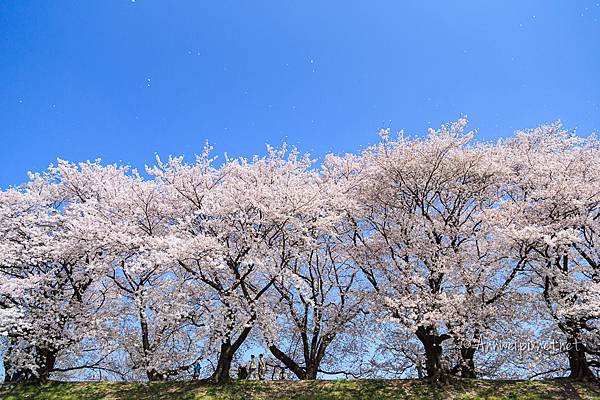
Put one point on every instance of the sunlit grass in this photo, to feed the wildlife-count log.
(462, 389)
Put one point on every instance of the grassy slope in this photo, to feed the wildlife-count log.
(367, 389)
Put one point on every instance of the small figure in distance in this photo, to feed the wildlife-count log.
(262, 367)
(252, 368)
(242, 372)
(197, 369)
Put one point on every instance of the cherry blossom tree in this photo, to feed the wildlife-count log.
(423, 240)
(402, 260)
(238, 229)
(318, 298)
(48, 296)
(553, 206)
(151, 314)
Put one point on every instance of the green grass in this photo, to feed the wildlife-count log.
(464, 389)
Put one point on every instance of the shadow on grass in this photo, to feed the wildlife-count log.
(464, 389)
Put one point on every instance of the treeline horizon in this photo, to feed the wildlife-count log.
(396, 261)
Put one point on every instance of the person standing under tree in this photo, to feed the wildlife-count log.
(252, 368)
(242, 372)
(262, 367)
(197, 369)
(282, 374)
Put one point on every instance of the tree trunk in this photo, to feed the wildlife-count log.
(578, 364)
(312, 359)
(222, 372)
(467, 366)
(312, 370)
(47, 360)
(288, 362)
(579, 368)
(154, 376)
(432, 343)
(228, 349)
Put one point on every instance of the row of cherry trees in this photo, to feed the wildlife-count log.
(415, 251)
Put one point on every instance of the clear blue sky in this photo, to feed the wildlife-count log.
(123, 79)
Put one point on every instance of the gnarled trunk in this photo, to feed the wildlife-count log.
(432, 343)
(155, 376)
(579, 368)
(466, 369)
(228, 349)
(222, 372)
(47, 361)
(288, 362)
(313, 356)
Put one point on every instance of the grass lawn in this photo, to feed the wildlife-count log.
(465, 389)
